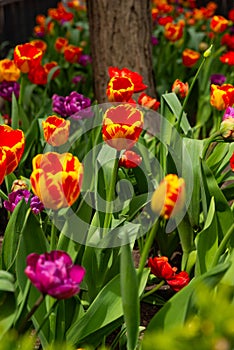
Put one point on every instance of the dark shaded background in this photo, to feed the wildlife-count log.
(17, 19)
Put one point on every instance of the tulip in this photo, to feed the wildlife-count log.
(218, 24)
(227, 124)
(174, 31)
(147, 101)
(56, 130)
(15, 197)
(130, 159)
(8, 88)
(135, 77)
(122, 126)
(74, 105)
(38, 75)
(120, 89)
(169, 198)
(72, 53)
(27, 57)
(180, 88)
(161, 268)
(178, 281)
(60, 44)
(50, 65)
(190, 57)
(3, 162)
(232, 162)
(12, 142)
(228, 58)
(217, 79)
(222, 96)
(54, 274)
(39, 44)
(8, 70)
(56, 179)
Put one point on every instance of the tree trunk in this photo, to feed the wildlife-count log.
(120, 34)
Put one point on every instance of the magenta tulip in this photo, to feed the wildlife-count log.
(54, 274)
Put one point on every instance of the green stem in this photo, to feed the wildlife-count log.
(223, 245)
(31, 312)
(46, 316)
(111, 193)
(147, 246)
(3, 195)
(213, 138)
(153, 289)
(53, 238)
(188, 95)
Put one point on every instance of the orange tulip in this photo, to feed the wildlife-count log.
(222, 96)
(56, 130)
(218, 24)
(148, 101)
(122, 126)
(12, 143)
(169, 198)
(180, 88)
(8, 70)
(120, 89)
(190, 57)
(174, 31)
(27, 57)
(56, 179)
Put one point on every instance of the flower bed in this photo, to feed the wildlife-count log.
(118, 205)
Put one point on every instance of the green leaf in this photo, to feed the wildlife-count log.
(177, 310)
(12, 235)
(129, 293)
(223, 211)
(207, 241)
(105, 309)
(14, 113)
(7, 302)
(32, 241)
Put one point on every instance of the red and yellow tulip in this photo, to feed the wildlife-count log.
(56, 130)
(190, 57)
(56, 179)
(174, 31)
(180, 88)
(72, 53)
(120, 89)
(218, 24)
(27, 57)
(122, 126)
(222, 96)
(169, 198)
(12, 144)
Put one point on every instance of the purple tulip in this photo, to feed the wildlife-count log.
(36, 205)
(74, 105)
(154, 40)
(15, 197)
(54, 274)
(229, 113)
(84, 60)
(217, 79)
(7, 88)
(77, 79)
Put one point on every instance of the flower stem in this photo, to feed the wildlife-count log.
(222, 245)
(47, 315)
(31, 312)
(53, 238)
(3, 195)
(189, 93)
(111, 194)
(147, 246)
(153, 289)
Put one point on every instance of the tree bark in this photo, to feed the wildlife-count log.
(120, 34)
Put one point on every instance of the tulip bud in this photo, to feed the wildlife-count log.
(19, 185)
(169, 198)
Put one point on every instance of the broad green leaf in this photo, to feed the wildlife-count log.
(106, 308)
(7, 302)
(191, 170)
(207, 242)
(32, 241)
(223, 212)
(176, 310)
(129, 294)
(14, 113)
